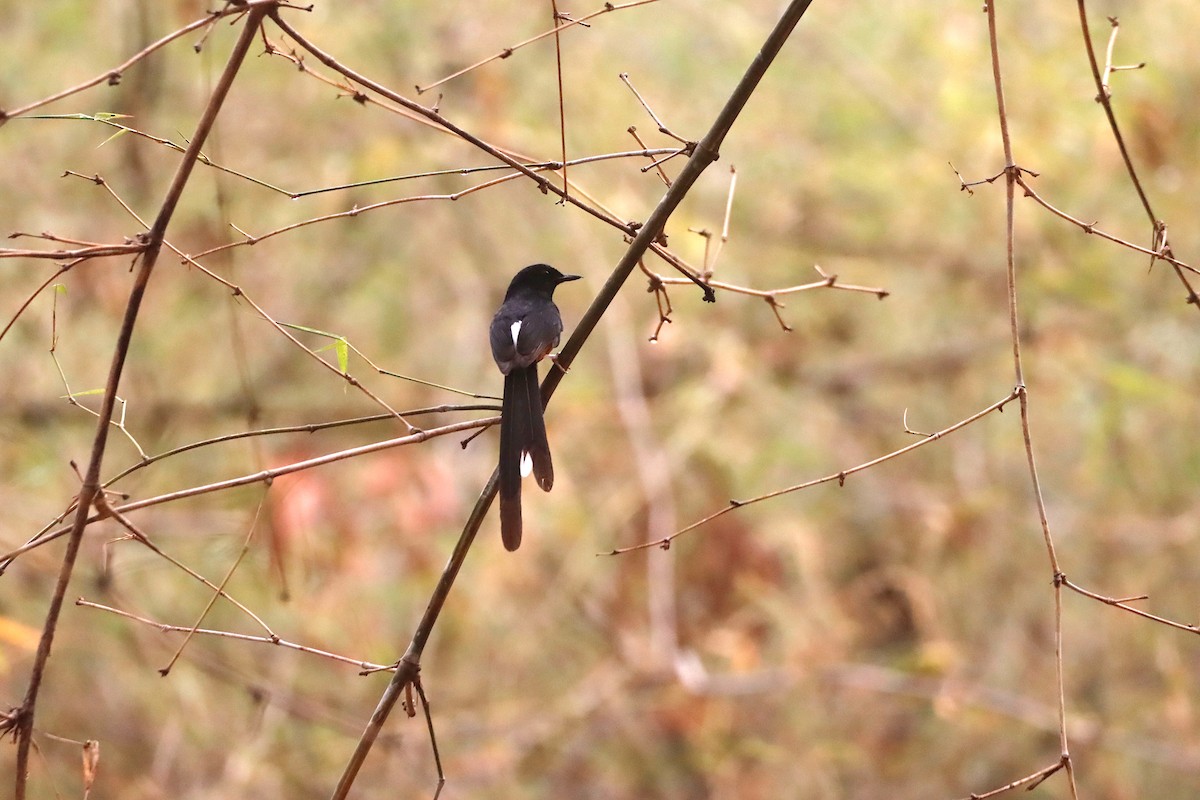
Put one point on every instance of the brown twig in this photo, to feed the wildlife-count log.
(244, 637)
(201, 158)
(1123, 604)
(29, 300)
(305, 428)
(262, 476)
(555, 19)
(437, 756)
(711, 265)
(536, 166)
(1029, 782)
(657, 165)
(1012, 174)
(1109, 67)
(839, 476)
(661, 299)
(771, 296)
(1160, 251)
(662, 128)
(567, 22)
(79, 254)
(311, 427)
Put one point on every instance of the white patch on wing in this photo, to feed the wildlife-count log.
(526, 460)
(516, 330)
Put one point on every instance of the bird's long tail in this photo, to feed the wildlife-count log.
(522, 435)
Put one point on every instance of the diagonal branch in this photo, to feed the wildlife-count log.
(1104, 98)
(91, 482)
(706, 152)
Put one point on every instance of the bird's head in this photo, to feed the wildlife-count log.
(539, 278)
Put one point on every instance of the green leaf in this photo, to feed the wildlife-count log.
(343, 354)
(121, 132)
(342, 348)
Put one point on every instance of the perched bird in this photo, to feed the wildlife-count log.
(525, 330)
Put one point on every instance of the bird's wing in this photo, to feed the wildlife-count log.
(536, 334)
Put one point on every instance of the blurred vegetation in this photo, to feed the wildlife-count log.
(893, 637)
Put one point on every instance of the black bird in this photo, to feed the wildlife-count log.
(525, 330)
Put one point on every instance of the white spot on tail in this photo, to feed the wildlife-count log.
(516, 330)
(526, 461)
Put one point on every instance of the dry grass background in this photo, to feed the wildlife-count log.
(890, 638)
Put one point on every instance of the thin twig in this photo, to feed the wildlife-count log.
(29, 300)
(662, 128)
(1029, 782)
(662, 173)
(1123, 603)
(310, 427)
(1012, 174)
(437, 756)
(97, 251)
(711, 265)
(555, 18)
(839, 476)
(262, 476)
(536, 166)
(244, 637)
(555, 31)
(1090, 228)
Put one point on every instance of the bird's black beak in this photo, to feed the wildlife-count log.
(566, 278)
